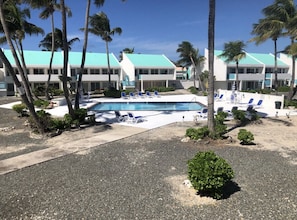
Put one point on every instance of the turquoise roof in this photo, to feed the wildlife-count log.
(93, 59)
(255, 59)
(37, 58)
(247, 60)
(267, 59)
(42, 58)
(150, 60)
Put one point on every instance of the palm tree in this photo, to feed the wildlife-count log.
(46, 42)
(126, 50)
(98, 3)
(100, 26)
(211, 37)
(20, 88)
(190, 56)
(234, 52)
(66, 55)
(277, 17)
(18, 27)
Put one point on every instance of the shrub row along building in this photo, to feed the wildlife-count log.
(142, 71)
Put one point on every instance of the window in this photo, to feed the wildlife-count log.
(231, 70)
(104, 71)
(116, 71)
(268, 70)
(143, 71)
(38, 71)
(95, 71)
(54, 71)
(163, 71)
(154, 71)
(171, 71)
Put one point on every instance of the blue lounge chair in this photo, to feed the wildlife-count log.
(140, 95)
(123, 95)
(220, 98)
(203, 113)
(134, 119)
(259, 104)
(131, 95)
(148, 94)
(156, 94)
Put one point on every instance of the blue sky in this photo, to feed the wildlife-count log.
(158, 26)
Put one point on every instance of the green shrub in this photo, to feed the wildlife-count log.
(19, 108)
(160, 89)
(220, 127)
(209, 173)
(193, 90)
(57, 123)
(112, 92)
(239, 115)
(45, 120)
(291, 103)
(197, 133)
(246, 137)
(283, 89)
(41, 103)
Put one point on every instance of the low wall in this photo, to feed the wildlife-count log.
(244, 97)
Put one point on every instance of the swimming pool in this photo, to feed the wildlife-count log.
(146, 106)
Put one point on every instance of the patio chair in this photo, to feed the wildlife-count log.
(203, 113)
(121, 118)
(259, 104)
(140, 95)
(134, 119)
(148, 94)
(123, 95)
(132, 95)
(230, 112)
(156, 94)
(220, 98)
(219, 109)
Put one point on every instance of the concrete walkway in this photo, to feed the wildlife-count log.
(25, 160)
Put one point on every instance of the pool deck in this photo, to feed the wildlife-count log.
(154, 119)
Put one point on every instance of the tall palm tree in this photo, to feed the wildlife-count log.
(272, 26)
(18, 27)
(234, 52)
(66, 57)
(100, 26)
(98, 3)
(48, 8)
(46, 42)
(190, 56)
(20, 88)
(211, 37)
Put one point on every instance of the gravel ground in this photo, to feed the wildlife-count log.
(128, 179)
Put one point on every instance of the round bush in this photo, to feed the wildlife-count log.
(209, 173)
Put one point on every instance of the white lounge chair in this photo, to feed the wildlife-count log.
(121, 118)
(259, 104)
(156, 94)
(148, 94)
(123, 95)
(134, 119)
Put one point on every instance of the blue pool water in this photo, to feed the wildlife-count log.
(146, 106)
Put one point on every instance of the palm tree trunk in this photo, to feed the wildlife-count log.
(51, 59)
(83, 59)
(108, 65)
(211, 35)
(18, 84)
(65, 64)
(236, 73)
(275, 66)
(292, 83)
